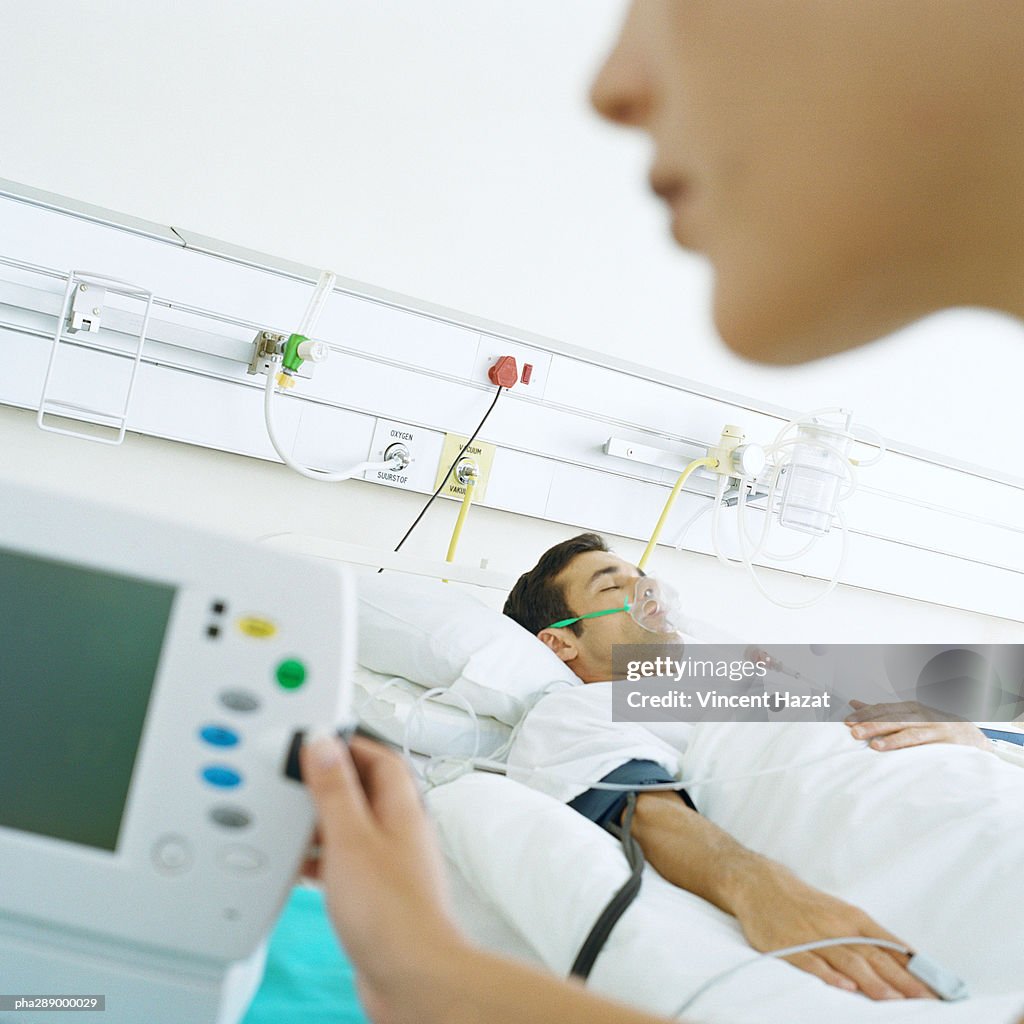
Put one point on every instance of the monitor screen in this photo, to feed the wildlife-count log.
(79, 651)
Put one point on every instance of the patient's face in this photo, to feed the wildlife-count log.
(592, 582)
(844, 164)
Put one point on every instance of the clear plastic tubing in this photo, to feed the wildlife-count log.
(317, 301)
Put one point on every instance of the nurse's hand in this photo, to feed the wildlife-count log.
(894, 726)
(381, 870)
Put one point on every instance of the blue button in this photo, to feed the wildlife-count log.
(219, 736)
(225, 778)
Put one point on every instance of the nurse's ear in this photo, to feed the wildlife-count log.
(562, 641)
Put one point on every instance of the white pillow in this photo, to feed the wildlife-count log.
(391, 708)
(436, 635)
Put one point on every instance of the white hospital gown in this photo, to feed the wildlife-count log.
(568, 741)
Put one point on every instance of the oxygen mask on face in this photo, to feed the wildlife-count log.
(655, 606)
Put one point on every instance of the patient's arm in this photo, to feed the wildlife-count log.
(381, 869)
(910, 724)
(774, 908)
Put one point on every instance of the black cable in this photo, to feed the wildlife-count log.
(620, 902)
(440, 487)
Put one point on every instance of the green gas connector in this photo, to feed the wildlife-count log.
(290, 358)
(297, 350)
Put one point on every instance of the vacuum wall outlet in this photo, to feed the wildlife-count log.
(480, 452)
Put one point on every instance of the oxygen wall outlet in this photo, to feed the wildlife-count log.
(421, 448)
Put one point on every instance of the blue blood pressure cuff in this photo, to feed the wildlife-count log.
(605, 806)
(1005, 736)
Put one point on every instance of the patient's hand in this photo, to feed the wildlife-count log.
(894, 726)
(776, 910)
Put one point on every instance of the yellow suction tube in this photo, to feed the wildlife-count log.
(696, 464)
(467, 500)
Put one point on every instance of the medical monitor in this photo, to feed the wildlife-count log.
(109, 635)
(152, 677)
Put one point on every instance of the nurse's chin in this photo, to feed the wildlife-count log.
(771, 314)
(771, 333)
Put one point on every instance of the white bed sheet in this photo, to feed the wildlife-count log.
(930, 841)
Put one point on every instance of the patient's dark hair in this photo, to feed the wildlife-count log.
(537, 600)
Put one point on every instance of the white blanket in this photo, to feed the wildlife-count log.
(929, 841)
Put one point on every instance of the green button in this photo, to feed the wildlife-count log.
(291, 674)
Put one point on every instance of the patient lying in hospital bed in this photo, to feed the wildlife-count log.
(928, 841)
(847, 842)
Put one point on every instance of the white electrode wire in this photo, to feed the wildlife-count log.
(377, 695)
(439, 760)
(775, 954)
(550, 775)
(312, 474)
(418, 710)
(531, 703)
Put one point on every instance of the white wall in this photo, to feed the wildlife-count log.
(443, 150)
(250, 498)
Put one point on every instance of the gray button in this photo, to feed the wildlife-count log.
(230, 817)
(241, 859)
(240, 700)
(172, 854)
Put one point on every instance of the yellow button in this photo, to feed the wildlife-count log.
(254, 626)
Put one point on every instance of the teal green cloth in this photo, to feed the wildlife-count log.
(307, 978)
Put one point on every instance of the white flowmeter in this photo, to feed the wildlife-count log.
(152, 678)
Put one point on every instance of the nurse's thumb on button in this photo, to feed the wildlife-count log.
(333, 784)
(391, 792)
